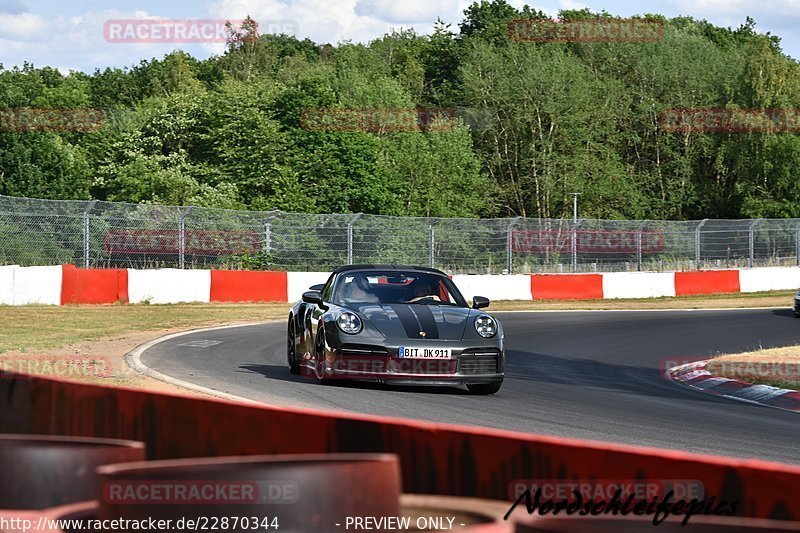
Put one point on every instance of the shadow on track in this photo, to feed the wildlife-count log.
(281, 373)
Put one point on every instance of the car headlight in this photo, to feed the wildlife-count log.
(486, 326)
(349, 323)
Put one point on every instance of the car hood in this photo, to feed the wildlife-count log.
(409, 321)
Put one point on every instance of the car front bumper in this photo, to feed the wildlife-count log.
(470, 364)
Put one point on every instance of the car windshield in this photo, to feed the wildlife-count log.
(395, 287)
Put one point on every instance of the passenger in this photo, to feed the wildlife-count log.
(358, 291)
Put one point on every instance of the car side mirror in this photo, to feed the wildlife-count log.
(312, 297)
(479, 302)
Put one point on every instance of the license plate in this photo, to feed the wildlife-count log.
(424, 353)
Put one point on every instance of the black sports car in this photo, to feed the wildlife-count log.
(398, 324)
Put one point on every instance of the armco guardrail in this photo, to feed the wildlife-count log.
(117, 235)
(435, 458)
(69, 285)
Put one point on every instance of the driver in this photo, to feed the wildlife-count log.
(422, 291)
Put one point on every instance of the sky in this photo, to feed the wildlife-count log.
(78, 34)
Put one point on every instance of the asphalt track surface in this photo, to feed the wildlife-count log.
(590, 375)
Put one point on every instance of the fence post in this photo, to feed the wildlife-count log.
(430, 245)
(797, 244)
(267, 246)
(639, 246)
(509, 245)
(751, 240)
(182, 236)
(575, 244)
(350, 238)
(697, 243)
(267, 236)
(86, 212)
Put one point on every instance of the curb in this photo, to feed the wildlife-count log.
(696, 376)
(133, 360)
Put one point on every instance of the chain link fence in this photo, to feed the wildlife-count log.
(117, 235)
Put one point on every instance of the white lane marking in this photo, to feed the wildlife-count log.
(200, 343)
(133, 359)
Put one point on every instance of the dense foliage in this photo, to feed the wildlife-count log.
(537, 121)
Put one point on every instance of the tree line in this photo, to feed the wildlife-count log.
(527, 123)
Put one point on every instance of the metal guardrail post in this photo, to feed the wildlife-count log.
(86, 212)
(182, 237)
(751, 241)
(431, 242)
(350, 238)
(509, 245)
(697, 243)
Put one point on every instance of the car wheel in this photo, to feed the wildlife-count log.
(485, 388)
(319, 354)
(796, 314)
(291, 348)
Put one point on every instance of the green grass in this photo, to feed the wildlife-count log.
(26, 328)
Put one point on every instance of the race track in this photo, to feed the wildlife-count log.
(590, 375)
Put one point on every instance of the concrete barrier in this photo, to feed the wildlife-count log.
(566, 286)
(93, 285)
(169, 285)
(7, 284)
(298, 282)
(37, 285)
(706, 282)
(508, 287)
(67, 285)
(248, 286)
(769, 279)
(638, 284)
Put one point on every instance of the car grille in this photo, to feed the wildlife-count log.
(363, 349)
(479, 362)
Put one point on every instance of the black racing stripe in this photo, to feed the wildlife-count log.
(427, 321)
(408, 319)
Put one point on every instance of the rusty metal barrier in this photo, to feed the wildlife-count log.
(434, 458)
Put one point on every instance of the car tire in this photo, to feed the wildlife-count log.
(319, 355)
(796, 314)
(484, 388)
(291, 348)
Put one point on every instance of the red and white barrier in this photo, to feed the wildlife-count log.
(70, 285)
